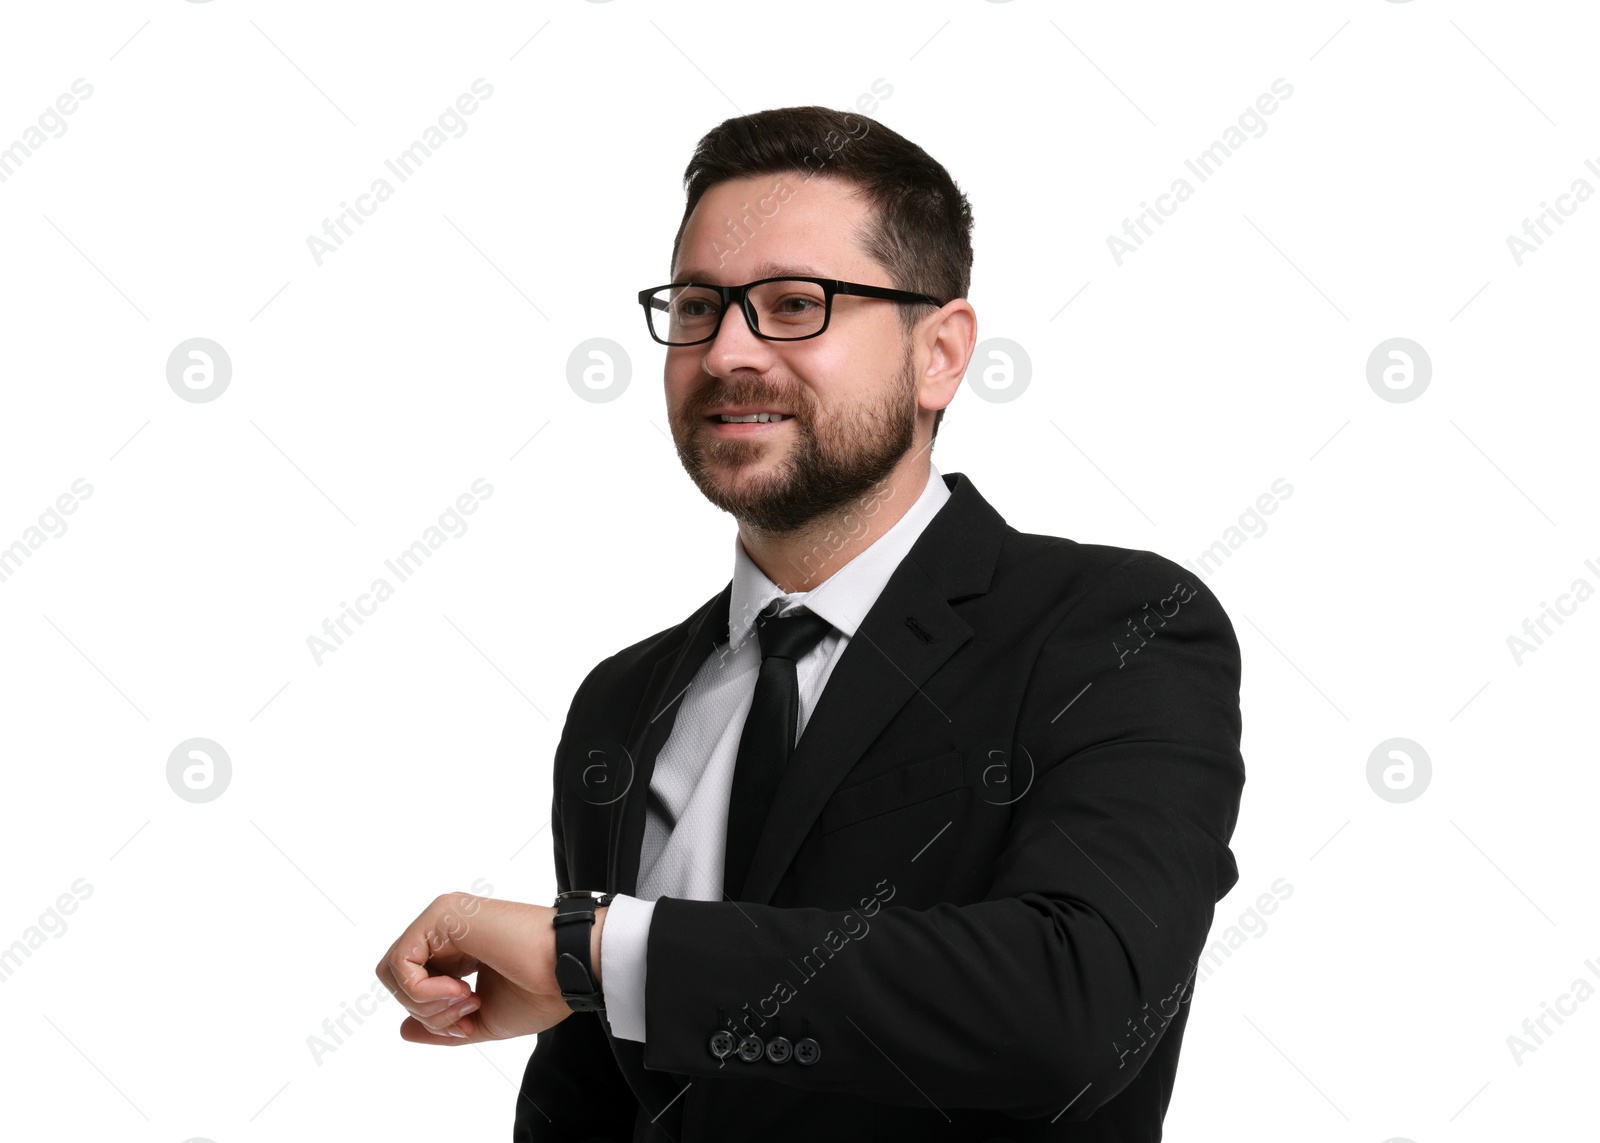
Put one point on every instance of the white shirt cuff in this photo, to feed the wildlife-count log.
(622, 949)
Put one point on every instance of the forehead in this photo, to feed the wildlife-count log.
(771, 225)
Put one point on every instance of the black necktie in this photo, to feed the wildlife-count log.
(769, 734)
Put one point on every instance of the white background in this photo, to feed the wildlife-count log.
(368, 392)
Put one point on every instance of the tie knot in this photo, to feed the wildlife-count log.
(789, 636)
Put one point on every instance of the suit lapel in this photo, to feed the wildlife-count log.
(910, 632)
(908, 635)
(652, 723)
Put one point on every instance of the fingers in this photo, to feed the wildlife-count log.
(437, 1015)
(430, 939)
(437, 999)
(436, 1018)
(447, 1022)
(450, 1028)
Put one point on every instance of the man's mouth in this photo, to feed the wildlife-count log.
(749, 418)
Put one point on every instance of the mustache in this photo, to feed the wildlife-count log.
(714, 399)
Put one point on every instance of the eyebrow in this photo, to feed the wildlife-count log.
(760, 270)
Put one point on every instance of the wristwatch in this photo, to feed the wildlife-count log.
(574, 922)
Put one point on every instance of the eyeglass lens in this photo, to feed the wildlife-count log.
(786, 308)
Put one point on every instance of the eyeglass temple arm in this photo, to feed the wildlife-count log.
(880, 292)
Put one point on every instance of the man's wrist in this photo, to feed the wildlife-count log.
(594, 945)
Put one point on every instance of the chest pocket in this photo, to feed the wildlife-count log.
(918, 782)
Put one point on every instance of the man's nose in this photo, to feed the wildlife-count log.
(736, 346)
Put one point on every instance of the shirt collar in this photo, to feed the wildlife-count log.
(845, 597)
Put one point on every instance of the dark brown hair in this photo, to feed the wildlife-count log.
(921, 224)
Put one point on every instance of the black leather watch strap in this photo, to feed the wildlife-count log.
(574, 924)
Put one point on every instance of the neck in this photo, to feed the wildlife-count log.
(803, 559)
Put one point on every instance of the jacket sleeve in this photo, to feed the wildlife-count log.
(572, 1090)
(1099, 904)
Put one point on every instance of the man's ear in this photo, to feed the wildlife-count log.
(950, 336)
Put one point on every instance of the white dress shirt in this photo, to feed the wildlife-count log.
(693, 774)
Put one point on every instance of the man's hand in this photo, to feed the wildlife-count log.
(510, 945)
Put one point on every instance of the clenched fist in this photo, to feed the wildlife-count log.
(510, 945)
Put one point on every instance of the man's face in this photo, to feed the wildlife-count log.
(851, 394)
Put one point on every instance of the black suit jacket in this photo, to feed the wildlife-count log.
(984, 883)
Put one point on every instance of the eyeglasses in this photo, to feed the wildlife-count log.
(776, 309)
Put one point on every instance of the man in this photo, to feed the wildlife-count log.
(912, 831)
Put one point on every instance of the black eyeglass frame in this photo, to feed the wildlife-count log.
(740, 294)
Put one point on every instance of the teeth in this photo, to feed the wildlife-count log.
(751, 418)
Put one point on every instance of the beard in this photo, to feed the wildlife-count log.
(835, 459)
